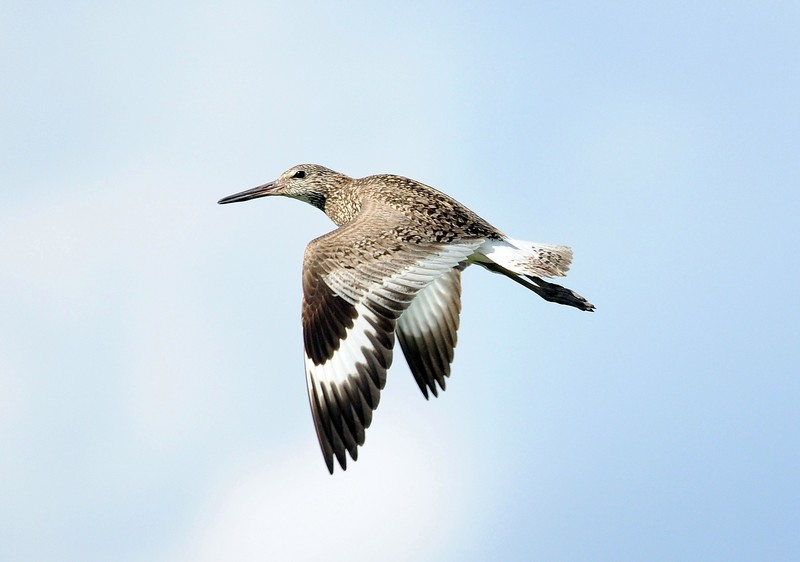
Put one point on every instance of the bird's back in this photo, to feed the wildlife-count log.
(435, 216)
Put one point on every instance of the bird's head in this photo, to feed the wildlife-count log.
(307, 182)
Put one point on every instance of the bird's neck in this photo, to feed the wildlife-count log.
(342, 206)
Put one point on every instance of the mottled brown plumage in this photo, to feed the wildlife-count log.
(392, 267)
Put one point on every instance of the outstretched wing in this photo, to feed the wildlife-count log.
(427, 331)
(357, 281)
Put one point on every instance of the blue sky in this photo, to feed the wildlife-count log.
(152, 396)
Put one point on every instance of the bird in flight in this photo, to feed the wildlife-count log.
(392, 267)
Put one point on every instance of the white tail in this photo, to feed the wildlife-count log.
(527, 258)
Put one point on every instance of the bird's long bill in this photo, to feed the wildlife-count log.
(260, 191)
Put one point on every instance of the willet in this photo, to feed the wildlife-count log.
(392, 267)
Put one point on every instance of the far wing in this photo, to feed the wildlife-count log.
(427, 331)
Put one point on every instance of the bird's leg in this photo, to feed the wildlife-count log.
(548, 291)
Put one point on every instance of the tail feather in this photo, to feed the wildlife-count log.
(529, 258)
(527, 262)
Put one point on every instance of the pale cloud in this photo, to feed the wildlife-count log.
(404, 502)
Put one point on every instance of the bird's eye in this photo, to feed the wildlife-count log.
(299, 174)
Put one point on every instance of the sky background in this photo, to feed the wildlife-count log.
(152, 394)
